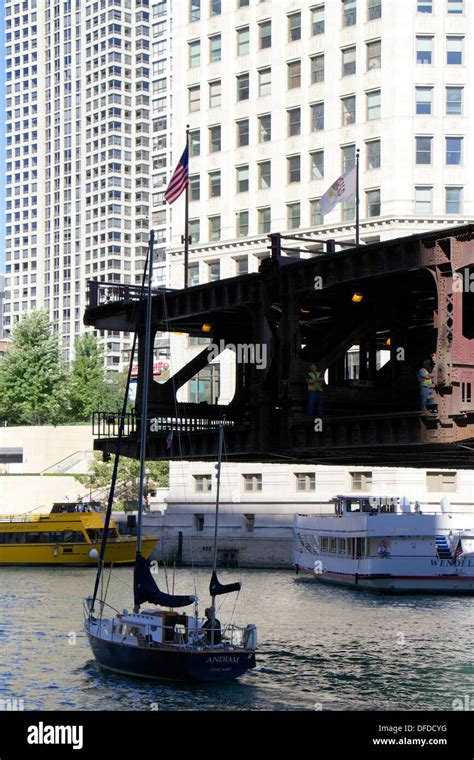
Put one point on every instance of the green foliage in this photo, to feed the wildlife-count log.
(32, 375)
(126, 490)
(89, 389)
(37, 389)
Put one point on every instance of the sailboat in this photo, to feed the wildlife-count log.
(162, 642)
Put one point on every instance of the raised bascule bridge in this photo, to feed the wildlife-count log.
(398, 301)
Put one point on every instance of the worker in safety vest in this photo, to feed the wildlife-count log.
(315, 381)
(427, 390)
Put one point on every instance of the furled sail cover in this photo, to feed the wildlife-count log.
(216, 588)
(146, 590)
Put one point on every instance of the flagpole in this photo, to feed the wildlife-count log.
(357, 198)
(186, 220)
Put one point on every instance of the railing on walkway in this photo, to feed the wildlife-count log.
(107, 424)
(101, 293)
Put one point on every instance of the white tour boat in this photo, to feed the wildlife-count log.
(387, 545)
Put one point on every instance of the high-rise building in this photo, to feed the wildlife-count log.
(279, 95)
(79, 153)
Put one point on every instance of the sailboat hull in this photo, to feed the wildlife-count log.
(166, 663)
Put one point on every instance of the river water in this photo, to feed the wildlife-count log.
(320, 648)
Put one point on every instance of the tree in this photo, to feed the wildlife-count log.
(89, 388)
(32, 374)
(99, 476)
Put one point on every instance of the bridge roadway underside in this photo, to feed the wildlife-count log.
(413, 299)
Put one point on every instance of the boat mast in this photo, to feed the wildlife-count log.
(148, 351)
(216, 524)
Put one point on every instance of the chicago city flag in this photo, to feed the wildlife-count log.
(343, 189)
(179, 180)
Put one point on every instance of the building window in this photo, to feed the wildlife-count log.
(294, 27)
(195, 10)
(348, 61)
(454, 150)
(215, 184)
(215, 48)
(317, 68)
(455, 6)
(454, 101)
(249, 523)
(195, 142)
(243, 179)
(243, 40)
(194, 187)
(423, 200)
(194, 98)
(348, 110)
(242, 133)
(264, 82)
(374, 9)
(215, 92)
(215, 139)
(348, 210)
(242, 263)
(317, 19)
(194, 54)
(244, 3)
(317, 117)
(264, 220)
(214, 271)
(423, 150)
(294, 168)
(424, 50)
(441, 481)
(199, 519)
(243, 87)
(317, 164)
(265, 175)
(215, 7)
(454, 50)
(242, 225)
(252, 482)
(374, 55)
(454, 200)
(265, 128)
(373, 203)
(424, 6)
(294, 75)
(315, 212)
(373, 154)
(373, 105)
(349, 12)
(265, 34)
(361, 481)
(194, 233)
(305, 481)
(294, 122)
(205, 386)
(424, 100)
(294, 216)
(348, 158)
(214, 228)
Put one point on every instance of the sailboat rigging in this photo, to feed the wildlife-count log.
(163, 643)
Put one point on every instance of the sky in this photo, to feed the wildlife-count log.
(2, 142)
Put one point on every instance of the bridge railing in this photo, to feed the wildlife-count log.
(107, 424)
(101, 293)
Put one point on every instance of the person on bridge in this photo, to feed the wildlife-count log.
(315, 381)
(427, 391)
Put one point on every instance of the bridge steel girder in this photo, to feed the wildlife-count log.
(266, 420)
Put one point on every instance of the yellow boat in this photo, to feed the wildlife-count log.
(66, 536)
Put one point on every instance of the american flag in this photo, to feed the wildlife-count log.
(179, 180)
(459, 550)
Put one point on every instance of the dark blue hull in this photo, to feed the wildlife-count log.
(147, 662)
